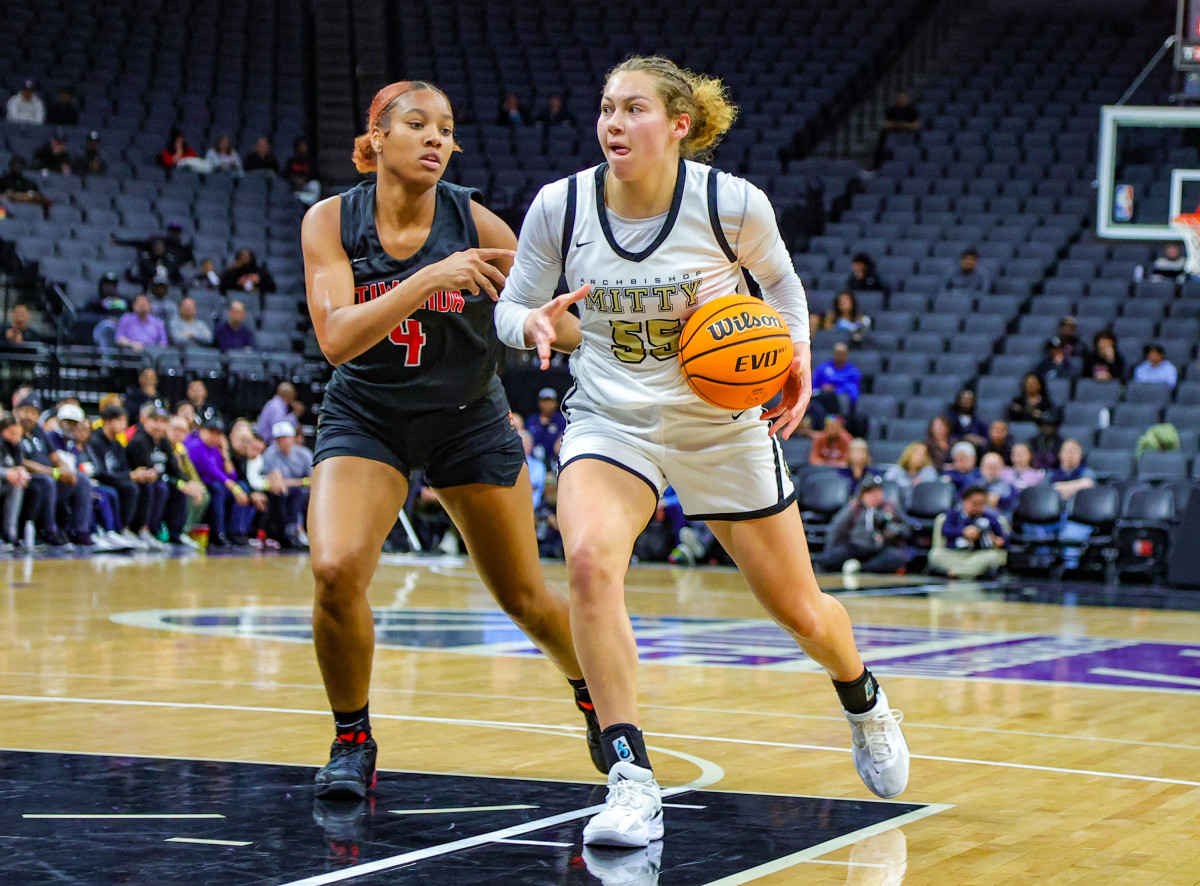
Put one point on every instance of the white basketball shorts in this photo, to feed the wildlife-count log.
(722, 465)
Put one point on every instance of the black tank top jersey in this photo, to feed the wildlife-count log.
(445, 354)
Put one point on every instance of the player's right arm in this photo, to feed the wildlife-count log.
(345, 329)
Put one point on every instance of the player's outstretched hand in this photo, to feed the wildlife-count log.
(797, 391)
(540, 322)
(471, 271)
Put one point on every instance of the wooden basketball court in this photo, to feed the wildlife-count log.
(1051, 744)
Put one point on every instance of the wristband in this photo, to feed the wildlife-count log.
(55, 473)
(304, 481)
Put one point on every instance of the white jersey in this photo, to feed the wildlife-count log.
(647, 276)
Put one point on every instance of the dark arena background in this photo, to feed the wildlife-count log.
(1006, 189)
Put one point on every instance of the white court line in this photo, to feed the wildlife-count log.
(209, 842)
(562, 730)
(828, 846)
(1193, 653)
(73, 815)
(682, 806)
(846, 864)
(1144, 675)
(459, 809)
(537, 843)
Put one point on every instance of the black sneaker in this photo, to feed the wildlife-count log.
(350, 772)
(593, 734)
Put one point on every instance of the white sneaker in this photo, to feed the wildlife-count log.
(132, 541)
(625, 867)
(449, 544)
(116, 541)
(146, 537)
(187, 541)
(632, 813)
(100, 544)
(851, 567)
(880, 751)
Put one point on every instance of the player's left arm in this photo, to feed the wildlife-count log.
(762, 252)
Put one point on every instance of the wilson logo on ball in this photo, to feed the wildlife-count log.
(735, 352)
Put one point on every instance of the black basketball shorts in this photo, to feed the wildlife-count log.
(455, 447)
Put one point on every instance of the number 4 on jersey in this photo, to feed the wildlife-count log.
(412, 337)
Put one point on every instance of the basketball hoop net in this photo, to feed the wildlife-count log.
(1188, 226)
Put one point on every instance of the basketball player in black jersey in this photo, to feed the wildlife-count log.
(401, 276)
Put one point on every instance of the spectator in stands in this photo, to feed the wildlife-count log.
(197, 398)
(913, 467)
(831, 444)
(19, 188)
(1032, 403)
(863, 277)
(104, 311)
(59, 489)
(208, 278)
(845, 315)
(204, 448)
(1104, 362)
(512, 112)
(233, 334)
(107, 453)
(63, 111)
(185, 329)
(75, 432)
(1155, 367)
(154, 260)
(962, 471)
(1056, 364)
(938, 440)
(1161, 437)
(146, 449)
(145, 392)
(91, 163)
(555, 113)
(546, 426)
(867, 534)
(282, 407)
(178, 151)
(26, 106)
(836, 382)
(964, 423)
(998, 441)
(858, 462)
(189, 496)
(246, 274)
(1045, 444)
(287, 466)
(1001, 494)
(901, 116)
(970, 279)
(1022, 474)
(975, 536)
(139, 327)
(163, 305)
(14, 480)
(53, 156)
(223, 157)
(536, 466)
(262, 158)
(1068, 334)
(244, 450)
(301, 172)
(1072, 473)
(20, 329)
(1170, 263)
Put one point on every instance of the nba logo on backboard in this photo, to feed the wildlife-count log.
(1123, 203)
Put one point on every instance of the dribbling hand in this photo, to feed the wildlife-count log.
(470, 271)
(797, 391)
(540, 322)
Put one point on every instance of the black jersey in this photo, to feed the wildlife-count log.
(445, 354)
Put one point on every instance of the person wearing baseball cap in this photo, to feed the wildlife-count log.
(91, 163)
(146, 451)
(546, 426)
(54, 482)
(288, 469)
(868, 534)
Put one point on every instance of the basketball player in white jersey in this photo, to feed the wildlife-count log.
(644, 239)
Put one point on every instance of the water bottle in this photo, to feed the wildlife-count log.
(29, 537)
(1103, 418)
(1139, 274)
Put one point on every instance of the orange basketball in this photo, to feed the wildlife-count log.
(735, 351)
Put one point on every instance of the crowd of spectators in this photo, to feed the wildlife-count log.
(137, 475)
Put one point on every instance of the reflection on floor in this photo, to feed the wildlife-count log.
(85, 819)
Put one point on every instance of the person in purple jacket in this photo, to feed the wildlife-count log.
(233, 334)
(205, 451)
(139, 327)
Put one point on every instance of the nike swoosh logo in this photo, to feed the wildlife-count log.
(738, 415)
(579, 244)
(355, 261)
